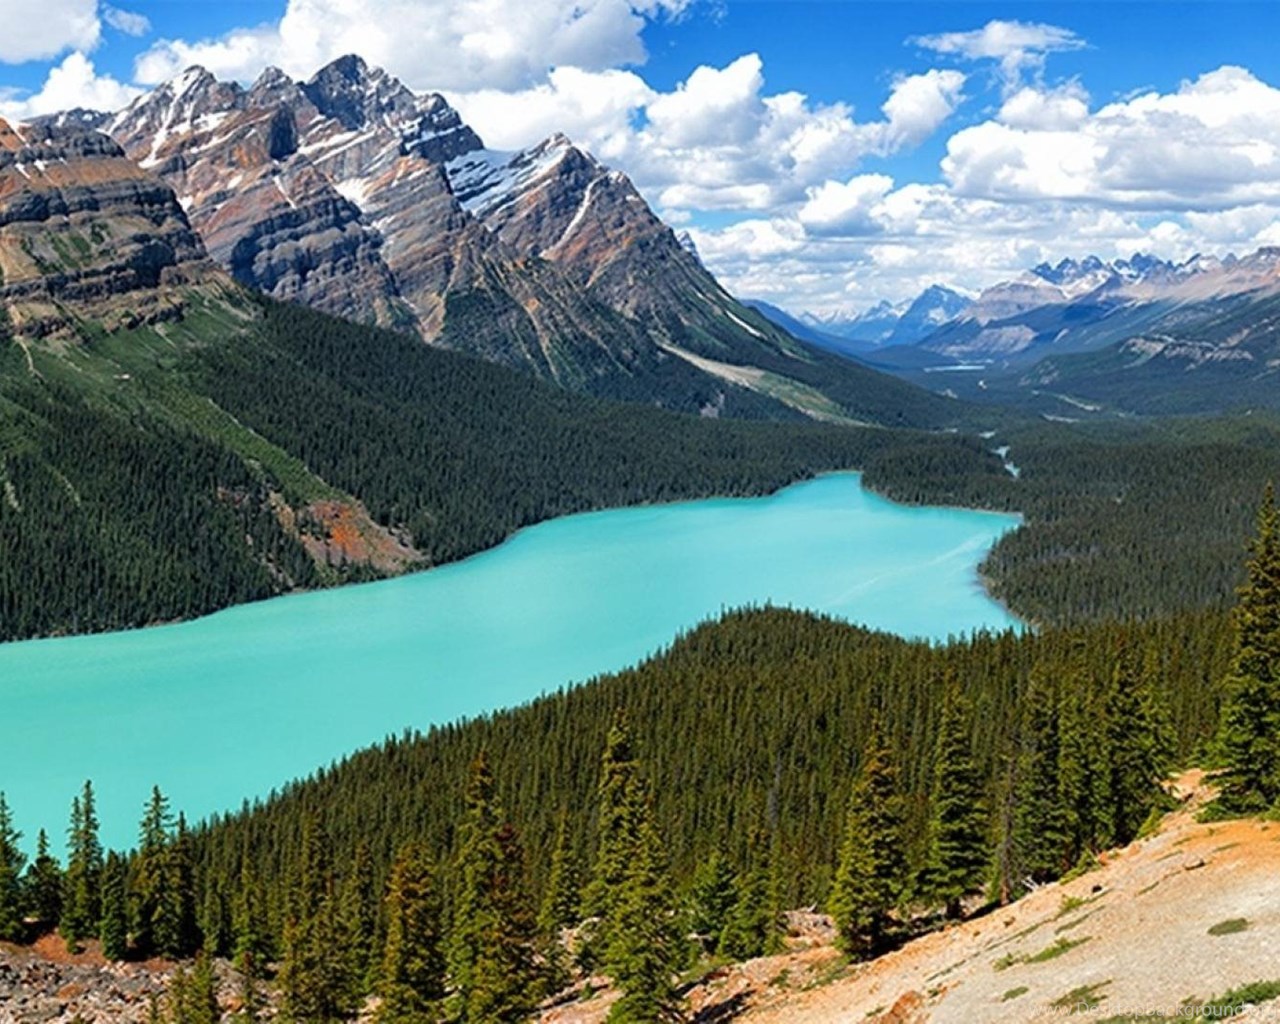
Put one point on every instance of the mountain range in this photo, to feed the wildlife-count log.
(1136, 335)
(352, 194)
(173, 441)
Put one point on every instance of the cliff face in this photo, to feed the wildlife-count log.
(82, 225)
(352, 194)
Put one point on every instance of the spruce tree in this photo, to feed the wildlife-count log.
(1040, 841)
(1139, 759)
(1249, 733)
(252, 948)
(215, 921)
(1076, 814)
(645, 948)
(412, 976)
(959, 840)
(176, 932)
(43, 884)
(315, 976)
(360, 917)
(561, 908)
(638, 934)
(202, 993)
(617, 805)
(712, 897)
(754, 924)
(561, 904)
(114, 927)
(11, 864)
(871, 875)
(150, 900)
(192, 996)
(493, 946)
(83, 890)
(506, 980)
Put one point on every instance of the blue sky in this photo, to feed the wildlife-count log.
(823, 155)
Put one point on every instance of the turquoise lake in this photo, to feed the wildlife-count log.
(239, 702)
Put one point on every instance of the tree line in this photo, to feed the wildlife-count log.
(959, 774)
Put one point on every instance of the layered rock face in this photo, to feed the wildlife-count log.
(354, 195)
(557, 202)
(82, 226)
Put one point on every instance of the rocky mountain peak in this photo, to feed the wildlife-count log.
(274, 88)
(80, 226)
(357, 96)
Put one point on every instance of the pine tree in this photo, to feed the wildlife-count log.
(645, 948)
(958, 828)
(1249, 733)
(360, 917)
(493, 946)
(1040, 838)
(202, 993)
(871, 874)
(11, 864)
(151, 902)
(412, 976)
(176, 932)
(712, 898)
(114, 928)
(1139, 759)
(754, 925)
(638, 932)
(315, 977)
(561, 908)
(83, 891)
(192, 996)
(561, 904)
(43, 884)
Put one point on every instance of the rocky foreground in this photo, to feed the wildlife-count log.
(1163, 926)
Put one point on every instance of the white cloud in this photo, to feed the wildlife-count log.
(918, 106)
(718, 140)
(590, 106)
(41, 29)
(1212, 143)
(128, 22)
(845, 208)
(1018, 46)
(1196, 169)
(73, 83)
(430, 44)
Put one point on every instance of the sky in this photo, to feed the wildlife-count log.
(822, 155)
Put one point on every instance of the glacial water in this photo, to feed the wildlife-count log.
(236, 703)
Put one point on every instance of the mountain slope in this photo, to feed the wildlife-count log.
(1137, 921)
(351, 194)
(171, 443)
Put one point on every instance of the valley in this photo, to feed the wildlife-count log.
(434, 591)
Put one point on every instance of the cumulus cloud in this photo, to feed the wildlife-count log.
(430, 44)
(40, 29)
(1019, 47)
(128, 22)
(73, 83)
(1194, 169)
(846, 208)
(719, 140)
(1212, 143)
